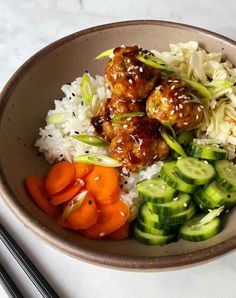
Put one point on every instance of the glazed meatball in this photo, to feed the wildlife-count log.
(127, 77)
(171, 102)
(112, 107)
(140, 145)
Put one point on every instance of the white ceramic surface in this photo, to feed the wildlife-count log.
(25, 27)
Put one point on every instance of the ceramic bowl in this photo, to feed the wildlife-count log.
(25, 101)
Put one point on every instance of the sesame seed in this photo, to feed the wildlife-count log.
(96, 178)
(86, 151)
(177, 108)
(172, 87)
(185, 123)
(122, 213)
(200, 205)
(140, 69)
(180, 115)
(128, 60)
(76, 132)
(199, 109)
(201, 106)
(172, 112)
(130, 81)
(226, 211)
(175, 199)
(175, 81)
(197, 116)
(181, 106)
(125, 125)
(185, 205)
(136, 77)
(170, 81)
(102, 234)
(115, 76)
(206, 162)
(73, 94)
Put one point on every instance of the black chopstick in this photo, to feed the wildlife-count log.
(26, 264)
(8, 284)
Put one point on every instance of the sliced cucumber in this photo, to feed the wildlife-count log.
(226, 174)
(202, 201)
(151, 230)
(193, 230)
(168, 174)
(179, 204)
(151, 239)
(149, 218)
(179, 218)
(217, 194)
(155, 190)
(206, 152)
(194, 171)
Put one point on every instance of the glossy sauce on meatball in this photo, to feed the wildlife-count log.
(140, 144)
(171, 102)
(114, 106)
(127, 77)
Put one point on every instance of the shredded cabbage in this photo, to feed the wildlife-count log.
(219, 78)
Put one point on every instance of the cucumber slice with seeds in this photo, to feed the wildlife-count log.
(151, 239)
(194, 230)
(155, 190)
(168, 174)
(226, 174)
(179, 218)
(206, 152)
(202, 201)
(150, 218)
(194, 171)
(177, 205)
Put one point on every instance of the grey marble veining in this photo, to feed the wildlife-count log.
(25, 27)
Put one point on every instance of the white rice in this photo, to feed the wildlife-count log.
(56, 143)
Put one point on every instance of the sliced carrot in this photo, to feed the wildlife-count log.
(85, 216)
(82, 169)
(120, 234)
(111, 218)
(104, 184)
(59, 176)
(36, 190)
(63, 223)
(67, 193)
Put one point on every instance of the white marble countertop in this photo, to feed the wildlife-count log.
(25, 27)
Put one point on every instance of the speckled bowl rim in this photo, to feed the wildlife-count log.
(91, 255)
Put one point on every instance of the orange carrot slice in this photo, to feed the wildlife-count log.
(63, 223)
(67, 193)
(59, 176)
(120, 234)
(82, 169)
(111, 218)
(36, 190)
(104, 184)
(85, 216)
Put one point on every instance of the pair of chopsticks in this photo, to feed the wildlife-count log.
(26, 264)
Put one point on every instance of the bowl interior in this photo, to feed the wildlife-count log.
(25, 102)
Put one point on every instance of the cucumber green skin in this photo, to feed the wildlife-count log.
(217, 194)
(200, 233)
(173, 207)
(222, 176)
(206, 152)
(151, 230)
(185, 137)
(150, 239)
(170, 177)
(206, 202)
(179, 218)
(201, 180)
(144, 194)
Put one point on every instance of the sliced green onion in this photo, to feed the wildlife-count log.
(211, 215)
(201, 89)
(168, 125)
(219, 84)
(105, 54)
(171, 142)
(86, 89)
(56, 118)
(98, 159)
(119, 118)
(152, 61)
(91, 140)
(74, 204)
